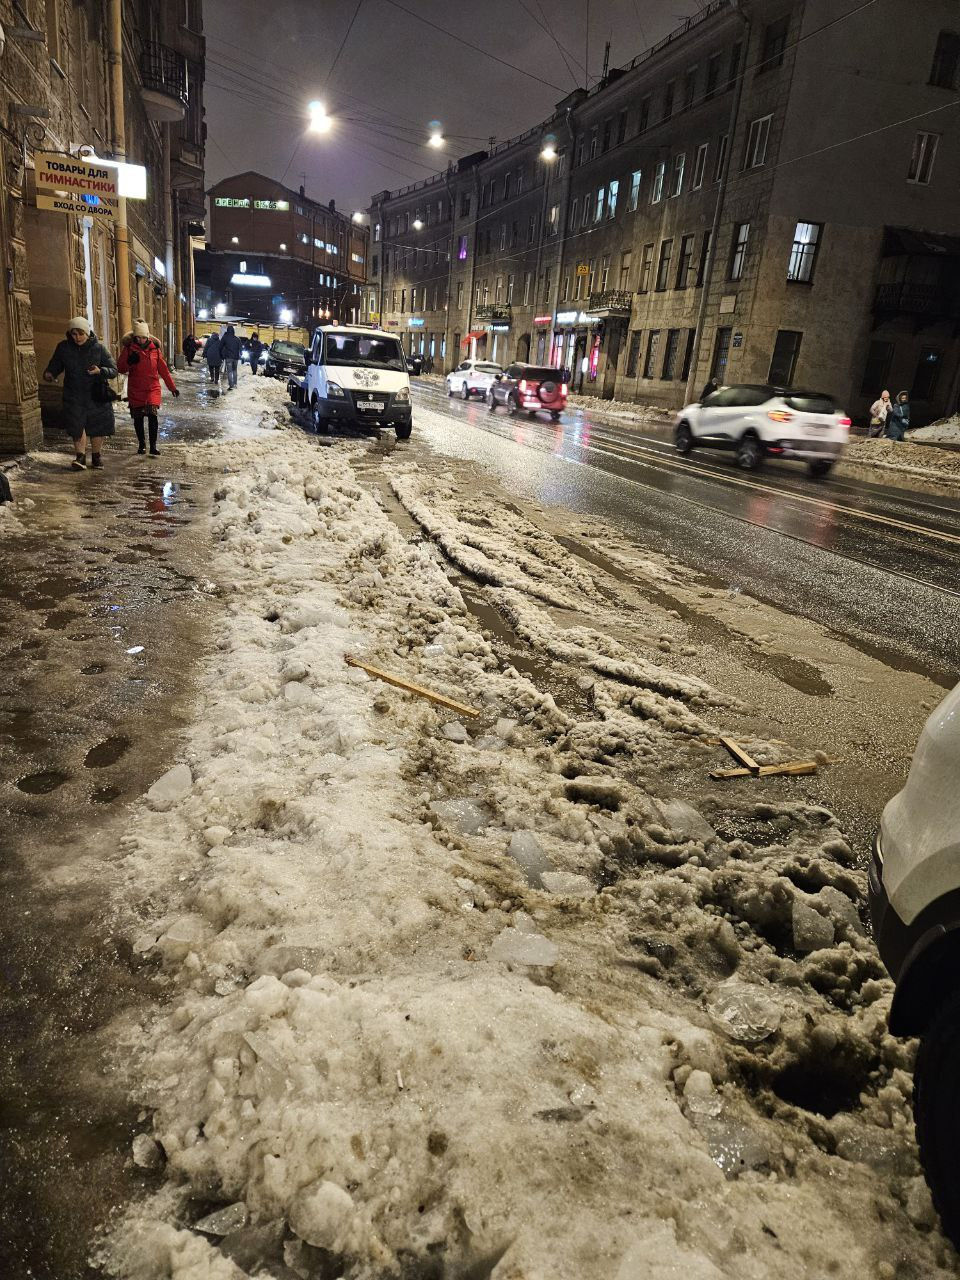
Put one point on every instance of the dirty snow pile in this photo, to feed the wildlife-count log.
(945, 431)
(458, 995)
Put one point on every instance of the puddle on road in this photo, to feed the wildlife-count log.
(107, 752)
(41, 784)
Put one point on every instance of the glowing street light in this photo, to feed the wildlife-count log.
(357, 216)
(220, 309)
(286, 316)
(436, 138)
(549, 150)
(320, 122)
(418, 224)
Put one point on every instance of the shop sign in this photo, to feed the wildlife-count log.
(277, 206)
(541, 320)
(228, 202)
(63, 175)
(96, 206)
(499, 328)
(576, 317)
(416, 322)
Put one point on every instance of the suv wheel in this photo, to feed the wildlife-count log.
(820, 468)
(449, 389)
(493, 401)
(749, 452)
(683, 438)
(513, 404)
(465, 392)
(935, 1112)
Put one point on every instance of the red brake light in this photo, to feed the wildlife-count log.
(779, 415)
(563, 388)
(845, 422)
(523, 384)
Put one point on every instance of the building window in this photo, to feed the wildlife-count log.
(375, 265)
(875, 371)
(690, 87)
(946, 61)
(643, 119)
(593, 144)
(520, 182)
(721, 350)
(921, 161)
(774, 43)
(679, 164)
(663, 265)
(531, 228)
(403, 300)
(514, 234)
(785, 353)
(653, 342)
(506, 185)
(658, 181)
(734, 66)
(552, 219)
(927, 374)
(612, 193)
(498, 290)
(721, 158)
(626, 261)
(464, 204)
(668, 92)
(598, 207)
(376, 231)
(460, 294)
(591, 277)
(509, 297)
(634, 189)
(574, 210)
(758, 135)
(803, 255)
(621, 127)
(699, 165)
(646, 269)
(561, 163)
(605, 144)
(633, 352)
(462, 249)
(685, 262)
(527, 281)
(670, 352)
(585, 212)
(688, 355)
(713, 75)
(503, 236)
(704, 257)
(604, 272)
(738, 250)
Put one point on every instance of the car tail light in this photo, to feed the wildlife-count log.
(845, 422)
(563, 388)
(523, 384)
(779, 415)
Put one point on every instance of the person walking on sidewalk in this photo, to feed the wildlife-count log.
(86, 364)
(142, 360)
(256, 350)
(879, 412)
(898, 418)
(213, 355)
(189, 348)
(230, 350)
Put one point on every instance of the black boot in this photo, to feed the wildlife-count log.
(141, 441)
(154, 432)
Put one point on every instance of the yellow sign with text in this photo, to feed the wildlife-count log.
(583, 269)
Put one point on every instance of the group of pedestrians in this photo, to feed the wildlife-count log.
(87, 367)
(888, 417)
(222, 354)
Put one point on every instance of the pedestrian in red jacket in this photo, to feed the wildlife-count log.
(142, 360)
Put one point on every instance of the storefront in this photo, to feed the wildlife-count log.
(577, 336)
(541, 326)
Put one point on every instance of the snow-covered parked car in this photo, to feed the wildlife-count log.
(472, 378)
(757, 422)
(914, 889)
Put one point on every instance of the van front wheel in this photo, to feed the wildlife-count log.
(403, 433)
(321, 424)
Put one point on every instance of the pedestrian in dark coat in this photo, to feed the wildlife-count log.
(230, 351)
(708, 390)
(190, 345)
(87, 409)
(213, 355)
(142, 360)
(898, 419)
(256, 350)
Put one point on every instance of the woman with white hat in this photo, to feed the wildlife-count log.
(87, 396)
(142, 360)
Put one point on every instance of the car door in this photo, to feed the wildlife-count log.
(715, 415)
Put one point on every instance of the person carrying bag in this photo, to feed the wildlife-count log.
(142, 360)
(86, 365)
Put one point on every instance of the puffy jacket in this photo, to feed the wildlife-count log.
(80, 410)
(212, 350)
(143, 362)
(230, 345)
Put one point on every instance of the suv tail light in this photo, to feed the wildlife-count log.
(563, 389)
(845, 422)
(523, 384)
(779, 415)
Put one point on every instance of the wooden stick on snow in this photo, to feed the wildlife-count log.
(410, 687)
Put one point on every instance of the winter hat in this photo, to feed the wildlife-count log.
(141, 329)
(79, 322)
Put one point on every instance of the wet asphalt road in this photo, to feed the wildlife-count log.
(877, 565)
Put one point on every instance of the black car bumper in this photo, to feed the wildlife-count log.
(347, 414)
(893, 938)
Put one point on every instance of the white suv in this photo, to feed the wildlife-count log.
(760, 421)
(472, 378)
(914, 889)
(357, 377)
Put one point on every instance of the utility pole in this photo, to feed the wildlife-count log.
(119, 144)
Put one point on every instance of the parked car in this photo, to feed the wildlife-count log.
(356, 376)
(757, 422)
(245, 355)
(914, 893)
(529, 387)
(415, 365)
(472, 378)
(283, 359)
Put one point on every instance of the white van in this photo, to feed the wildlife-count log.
(357, 377)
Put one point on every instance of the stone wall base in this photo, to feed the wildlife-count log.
(20, 427)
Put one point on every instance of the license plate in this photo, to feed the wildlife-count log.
(375, 406)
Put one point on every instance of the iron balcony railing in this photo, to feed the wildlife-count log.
(612, 301)
(164, 70)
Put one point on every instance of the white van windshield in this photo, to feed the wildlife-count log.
(363, 350)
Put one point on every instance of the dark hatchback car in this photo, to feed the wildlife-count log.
(284, 359)
(529, 388)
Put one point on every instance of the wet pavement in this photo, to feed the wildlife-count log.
(879, 565)
(105, 611)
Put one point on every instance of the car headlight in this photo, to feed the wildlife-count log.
(335, 391)
(402, 396)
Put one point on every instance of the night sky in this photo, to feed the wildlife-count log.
(394, 75)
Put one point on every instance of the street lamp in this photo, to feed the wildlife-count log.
(203, 313)
(358, 216)
(418, 224)
(436, 138)
(549, 151)
(220, 309)
(234, 239)
(283, 247)
(320, 122)
(286, 316)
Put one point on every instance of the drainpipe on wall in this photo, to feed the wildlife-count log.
(172, 290)
(690, 394)
(119, 144)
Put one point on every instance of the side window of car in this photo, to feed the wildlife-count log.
(719, 399)
(513, 371)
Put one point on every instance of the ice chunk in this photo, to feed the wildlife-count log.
(525, 849)
(215, 836)
(319, 1213)
(188, 930)
(253, 1248)
(605, 792)
(230, 1218)
(811, 930)
(684, 821)
(461, 814)
(747, 1012)
(489, 742)
(146, 1152)
(454, 731)
(734, 1146)
(518, 947)
(568, 884)
(267, 995)
(841, 908)
(504, 728)
(174, 785)
(300, 695)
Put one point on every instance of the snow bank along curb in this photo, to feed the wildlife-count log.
(486, 998)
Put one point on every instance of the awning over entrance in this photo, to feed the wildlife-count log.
(468, 338)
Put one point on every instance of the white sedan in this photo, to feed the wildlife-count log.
(472, 378)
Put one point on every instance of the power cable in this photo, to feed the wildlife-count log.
(543, 27)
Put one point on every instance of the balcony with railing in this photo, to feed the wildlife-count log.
(494, 311)
(163, 78)
(611, 302)
(907, 298)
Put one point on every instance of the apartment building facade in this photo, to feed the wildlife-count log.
(768, 194)
(275, 255)
(60, 96)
